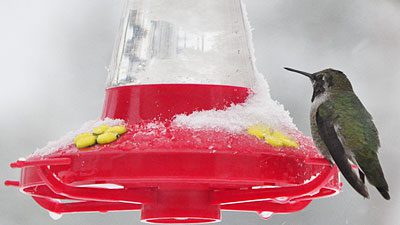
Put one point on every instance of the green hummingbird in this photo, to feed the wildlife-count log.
(343, 130)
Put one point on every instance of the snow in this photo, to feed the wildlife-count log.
(68, 139)
(259, 108)
(311, 178)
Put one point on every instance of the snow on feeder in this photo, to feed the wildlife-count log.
(188, 128)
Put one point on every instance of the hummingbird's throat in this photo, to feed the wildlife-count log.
(319, 88)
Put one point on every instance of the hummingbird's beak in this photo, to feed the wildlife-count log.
(309, 75)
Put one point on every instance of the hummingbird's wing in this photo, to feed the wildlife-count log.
(326, 117)
(359, 137)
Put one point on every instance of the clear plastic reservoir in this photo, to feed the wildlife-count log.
(182, 42)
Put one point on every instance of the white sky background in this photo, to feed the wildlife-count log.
(53, 56)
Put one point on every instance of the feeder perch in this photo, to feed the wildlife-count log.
(177, 57)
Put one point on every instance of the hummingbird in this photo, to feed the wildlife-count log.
(343, 130)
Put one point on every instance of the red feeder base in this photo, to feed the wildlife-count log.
(177, 175)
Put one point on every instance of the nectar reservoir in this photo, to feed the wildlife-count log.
(182, 42)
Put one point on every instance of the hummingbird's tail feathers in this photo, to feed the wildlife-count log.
(378, 180)
(384, 192)
(374, 173)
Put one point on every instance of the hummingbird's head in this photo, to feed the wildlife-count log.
(326, 81)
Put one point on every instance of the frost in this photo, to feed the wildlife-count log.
(259, 108)
(69, 137)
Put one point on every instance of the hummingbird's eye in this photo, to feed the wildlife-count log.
(329, 80)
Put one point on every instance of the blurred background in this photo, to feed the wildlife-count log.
(53, 56)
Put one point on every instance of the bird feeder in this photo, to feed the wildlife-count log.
(176, 58)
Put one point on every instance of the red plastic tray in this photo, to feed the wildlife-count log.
(174, 174)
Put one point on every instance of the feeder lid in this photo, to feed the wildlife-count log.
(175, 41)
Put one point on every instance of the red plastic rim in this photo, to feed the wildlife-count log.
(137, 103)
